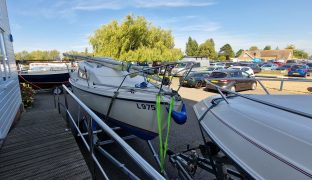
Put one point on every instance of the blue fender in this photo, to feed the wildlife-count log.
(179, 117)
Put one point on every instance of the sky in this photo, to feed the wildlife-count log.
(67, 24)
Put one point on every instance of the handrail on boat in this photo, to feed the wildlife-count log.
(220, 89)
(145, 166)
(143, 70)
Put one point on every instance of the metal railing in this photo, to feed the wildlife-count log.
(283, 79)
(91, 143)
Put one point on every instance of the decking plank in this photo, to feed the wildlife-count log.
(40, 147)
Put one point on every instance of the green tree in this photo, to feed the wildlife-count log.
(24, 55)
(207, 49)
(290, 46)
(38, 55)
(267, 47)
(53, 55)
(300, 54)
(253, 48)
(226, 51)
(277, 48)
(134, 39)
(191, 47)
(239, 52)
(222, 58)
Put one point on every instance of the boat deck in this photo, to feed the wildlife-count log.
(41, 147)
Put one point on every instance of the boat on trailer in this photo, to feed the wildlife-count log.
(265, 136)
(124, 95)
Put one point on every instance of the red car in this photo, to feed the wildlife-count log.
(278, 63)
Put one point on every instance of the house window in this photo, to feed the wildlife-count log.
(4, 62)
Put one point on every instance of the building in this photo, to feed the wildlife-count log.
(265, 55)
(10, 96)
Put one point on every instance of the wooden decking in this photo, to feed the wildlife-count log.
(41, 147)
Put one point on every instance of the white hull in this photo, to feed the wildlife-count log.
(136, 114)
(266, 142)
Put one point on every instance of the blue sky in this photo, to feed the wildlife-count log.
(66, 24)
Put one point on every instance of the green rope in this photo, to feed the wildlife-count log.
(162, 151)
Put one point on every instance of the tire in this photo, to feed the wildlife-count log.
(198, 85)
(233, 88)
(253, 86)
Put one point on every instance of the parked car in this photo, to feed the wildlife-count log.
(278, 63)
(214, 68)
(299, 70)
(245, 69)
(284, 67)
(183, 67)
(195, 79)
(292, 61)
(270, 66)
(233, 79)
(230, 64)
(218, 64)
(310, 66)
(255, 67)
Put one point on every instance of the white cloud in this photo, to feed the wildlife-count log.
(119, 4)
(172, 3)
(206, 27)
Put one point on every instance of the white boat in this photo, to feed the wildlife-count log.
(268, 136)
(100, 84)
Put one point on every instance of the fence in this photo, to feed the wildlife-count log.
(282, 80)
(91, 143)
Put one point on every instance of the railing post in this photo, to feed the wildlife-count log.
(66, 104)
(282, 84)
(54, 100)
(58, 104)
(91, 145)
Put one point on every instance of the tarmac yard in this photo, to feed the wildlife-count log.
(272, 86)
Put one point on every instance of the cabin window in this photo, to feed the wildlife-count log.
(82, 74)
(4, 62)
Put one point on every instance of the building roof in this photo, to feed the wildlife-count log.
(267, 54)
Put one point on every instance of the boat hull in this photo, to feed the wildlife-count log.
(267, 143)
(135, 116)
(44, 80)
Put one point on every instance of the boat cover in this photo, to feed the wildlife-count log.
(268, 143)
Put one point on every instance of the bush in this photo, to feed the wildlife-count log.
(27, 94)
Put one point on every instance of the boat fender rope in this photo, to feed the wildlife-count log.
(29, 82)
(163, 146)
